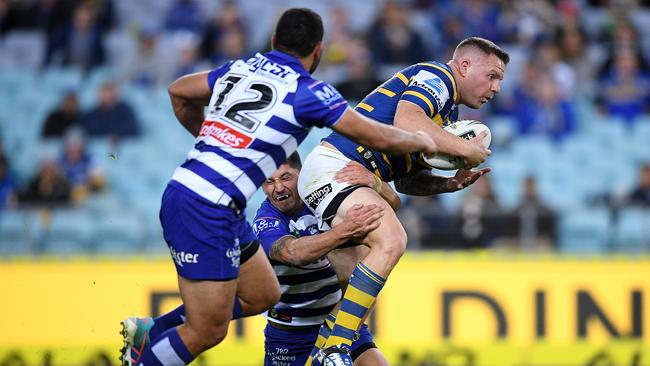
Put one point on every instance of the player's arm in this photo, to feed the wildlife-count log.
(382, 137)
(355, 173)
(189, 95)
(425, 183)
(411, 117)
(359, 220)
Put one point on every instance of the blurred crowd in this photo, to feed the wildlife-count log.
(574, 63)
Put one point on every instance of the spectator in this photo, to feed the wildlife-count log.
(536, 219)
(625, 91)
(539, 107)
(227, 19)
(392, 40)
(361, 79)
(16, 15)
(479, 206)
(81, 43)
(48, 187)
(64, 117)
(8, 198)
(572, 46)
(149, 68)
(640, 195)
(112, 117)
(79, 167)
(189, 61)
(183, 15)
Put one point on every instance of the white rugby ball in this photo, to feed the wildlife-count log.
(467, 129)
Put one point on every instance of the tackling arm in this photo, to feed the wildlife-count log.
(189, 95)
(359, 220)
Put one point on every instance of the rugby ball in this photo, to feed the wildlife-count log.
(467, 129)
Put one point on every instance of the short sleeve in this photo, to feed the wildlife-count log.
(427, 90)
(217, 73)
(318, 104)
(268, 229)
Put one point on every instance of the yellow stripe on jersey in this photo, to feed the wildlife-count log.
(357, 296)
(390, 166)
(438, 120)
(403, 78)
(453, 81)
(386, 92)
(366, 107)
(419, 95)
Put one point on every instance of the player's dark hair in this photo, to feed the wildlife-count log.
(298, 32)
(294, 161)
(488, 47)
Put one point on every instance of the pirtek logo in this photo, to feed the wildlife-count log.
(315, 197)
(225, 134)
(182, 257)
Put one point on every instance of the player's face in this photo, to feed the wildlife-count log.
(282, 189)
(482, 80)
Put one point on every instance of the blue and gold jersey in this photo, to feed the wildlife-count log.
(431, 86)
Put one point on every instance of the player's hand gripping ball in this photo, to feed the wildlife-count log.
(467, 129)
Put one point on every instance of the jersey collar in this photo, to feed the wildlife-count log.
(286, 59)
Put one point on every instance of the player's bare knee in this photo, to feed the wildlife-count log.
(393, 245)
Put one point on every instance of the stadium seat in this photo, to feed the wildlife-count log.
(632, 230)
(68, 232)
(118, 232)
(23, 50)
(14, 233)
(585, 230)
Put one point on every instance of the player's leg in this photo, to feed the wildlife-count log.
(387, 244)
(364, 351)
(203, 241)
(258, 288)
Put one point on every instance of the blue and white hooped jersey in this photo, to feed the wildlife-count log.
(260, 111)
(309, 292)
(429, 85)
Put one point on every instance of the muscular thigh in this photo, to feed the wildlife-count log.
(207, 303)
(390, 227)
(257, 278)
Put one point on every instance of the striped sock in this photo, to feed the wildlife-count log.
(323, 333)
(362, 291)
(167, 350)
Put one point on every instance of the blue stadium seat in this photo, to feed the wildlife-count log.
(14, 233)
(69, 232)
(585, 230)
(632, 230)
(118, 232)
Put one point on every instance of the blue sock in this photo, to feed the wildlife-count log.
(176, 317)
(170, 320)
(167, 350)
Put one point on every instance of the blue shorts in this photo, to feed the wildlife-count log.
(203, 238)
(292, 347)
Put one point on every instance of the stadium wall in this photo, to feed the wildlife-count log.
(454, 309)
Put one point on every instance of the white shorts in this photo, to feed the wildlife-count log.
(316, 184)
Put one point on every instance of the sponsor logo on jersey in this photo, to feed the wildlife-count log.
(326, 93)
(263, 64)
(436, 84)
(182, 258)
(433, 85)
(315, 198)
(265, 223)
(225, 134)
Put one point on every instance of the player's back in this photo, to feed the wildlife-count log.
(431, 86)
(259, 112)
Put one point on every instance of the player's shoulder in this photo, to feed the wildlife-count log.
(268, 217)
